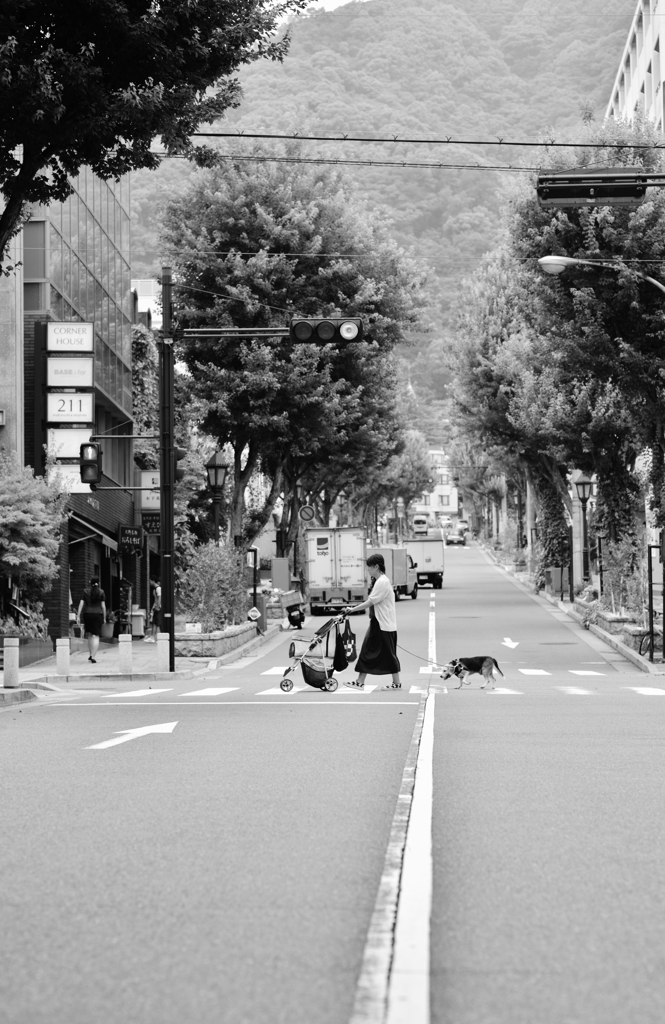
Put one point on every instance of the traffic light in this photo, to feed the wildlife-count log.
(90, 464)
(324, 331)
(178, 454)
(593, 186)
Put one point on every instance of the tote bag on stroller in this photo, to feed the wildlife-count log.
(349, 641)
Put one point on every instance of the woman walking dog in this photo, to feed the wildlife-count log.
(378, 655)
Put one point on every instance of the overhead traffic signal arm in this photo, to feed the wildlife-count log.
(596, 186)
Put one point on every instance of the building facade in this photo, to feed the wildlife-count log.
(441, 499)
(638, 85)
(75, 268)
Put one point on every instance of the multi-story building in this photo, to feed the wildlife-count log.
(75, 268)
(441, 498)
(639, 81)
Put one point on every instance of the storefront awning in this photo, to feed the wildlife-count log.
(104, 537)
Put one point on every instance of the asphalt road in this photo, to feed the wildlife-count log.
(225, 871)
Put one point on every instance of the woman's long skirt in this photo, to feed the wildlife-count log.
(378, 654)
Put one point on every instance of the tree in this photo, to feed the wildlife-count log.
(253, 245)
(96, 83)
(31, 513)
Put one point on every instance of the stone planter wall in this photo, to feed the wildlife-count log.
(611, 623)
(213, 645)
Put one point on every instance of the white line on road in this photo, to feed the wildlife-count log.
(408, 993)
(276, 670)
(584, 672)
(278, 690)
(132, 734)
(210, 691)
(647, 691)
(534, 672)
(502, 689)
(375, 986)
(138, 693)
(576, 691)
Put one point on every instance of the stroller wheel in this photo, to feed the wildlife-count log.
(292, 650)
(286, 684)
(331, 684)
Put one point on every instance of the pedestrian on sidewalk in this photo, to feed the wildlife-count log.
(92, 607)
(378, 654)
(155, 611)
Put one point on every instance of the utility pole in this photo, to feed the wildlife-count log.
(167, 465)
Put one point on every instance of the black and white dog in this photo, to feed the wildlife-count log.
(462, 668)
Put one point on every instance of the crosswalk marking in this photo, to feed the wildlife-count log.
(584, 672)
(277, 670)
(210, 691)
(502, 689)
(426, 670)
(576, 690)
(278, 690)
(647, 691)
(534, 672)
(138, 693)
(346, 690)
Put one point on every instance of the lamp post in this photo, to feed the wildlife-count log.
(217, 469)
(557, 264)
(584, 487)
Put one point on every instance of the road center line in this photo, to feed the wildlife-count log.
(394, 976)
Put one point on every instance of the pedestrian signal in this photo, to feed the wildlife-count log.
(90, 464)
(325, 331)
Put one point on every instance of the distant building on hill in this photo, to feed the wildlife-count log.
(440, 501)
(639, 81)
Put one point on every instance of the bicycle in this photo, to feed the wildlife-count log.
(645, 643)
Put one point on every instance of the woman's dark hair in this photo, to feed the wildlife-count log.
(95, 590)
(377, 560)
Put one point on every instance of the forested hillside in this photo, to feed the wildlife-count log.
(424, 68)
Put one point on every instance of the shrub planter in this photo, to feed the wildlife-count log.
(31, 649)
(612, 623)
(631, 636)
(213, 645)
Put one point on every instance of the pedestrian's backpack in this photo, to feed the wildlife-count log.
(349, 641)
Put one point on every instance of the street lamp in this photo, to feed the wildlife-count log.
(557, 264)
(217, 469)
(584, 487)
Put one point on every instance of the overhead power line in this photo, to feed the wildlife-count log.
(261, 159)
(448, 141)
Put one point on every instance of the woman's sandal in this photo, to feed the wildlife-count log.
(392, 686)
(354, 684)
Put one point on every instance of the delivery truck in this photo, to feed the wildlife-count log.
(399, 570)
(428, 557)
(336, 570)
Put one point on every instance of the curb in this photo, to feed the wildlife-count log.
(54, 682)
(16, 696)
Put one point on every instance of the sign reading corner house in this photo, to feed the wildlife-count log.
(69, 373)
(70, 337)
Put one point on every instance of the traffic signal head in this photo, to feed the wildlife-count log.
(323, 331)
(592, 186)
(178, 471)
(90, 464)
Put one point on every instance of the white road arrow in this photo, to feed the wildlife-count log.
(133, 734)
(507, 642)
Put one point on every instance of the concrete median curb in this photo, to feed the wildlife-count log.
(17, 695)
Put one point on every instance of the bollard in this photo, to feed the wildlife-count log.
(162, 652)
(62, 656)
(11, 661)
(125, 654)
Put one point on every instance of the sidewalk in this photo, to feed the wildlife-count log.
(41, 678)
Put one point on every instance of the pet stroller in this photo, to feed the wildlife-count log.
(316, 659)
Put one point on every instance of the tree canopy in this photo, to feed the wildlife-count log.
(96, 81)
(253, 246)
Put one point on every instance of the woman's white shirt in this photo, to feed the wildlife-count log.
(383, 599)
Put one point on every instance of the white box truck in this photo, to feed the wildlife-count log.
(336, 570)
(428, 556)
(399, 570)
